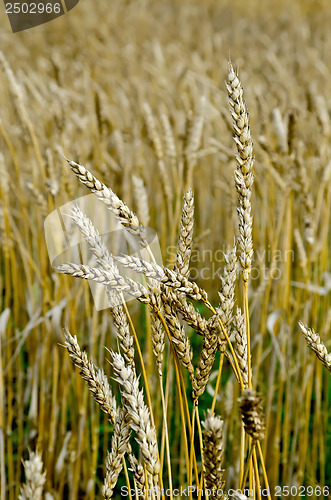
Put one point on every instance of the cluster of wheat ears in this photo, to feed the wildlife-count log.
(172, 299)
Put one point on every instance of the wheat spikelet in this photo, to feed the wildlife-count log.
(96, 379)
(138, 413)
(5, 230)
(213, 452)
(244, 171)
(34, 478)
(316, 345)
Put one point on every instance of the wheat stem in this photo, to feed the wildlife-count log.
(218, 381)
(165, 426)
(265, 475)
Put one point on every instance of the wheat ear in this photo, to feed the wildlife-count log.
(185, 239)
(192, 317)
(119, 446)
(228, 283)
(138, 413)
(96, 379)
(213, 452)
(158, 148)
(244, 172)
(125, 338)
(205, 363)
(122, 212)
(115, 281)
(138, 473)
(169, 278)
(316, 345)
(179, 338)
(157, 336)
(240, 344)
(252, 414)
(34, 478)
(92, 237)
(226, 294)
(140, 194)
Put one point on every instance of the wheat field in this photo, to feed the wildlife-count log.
(208, 123)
